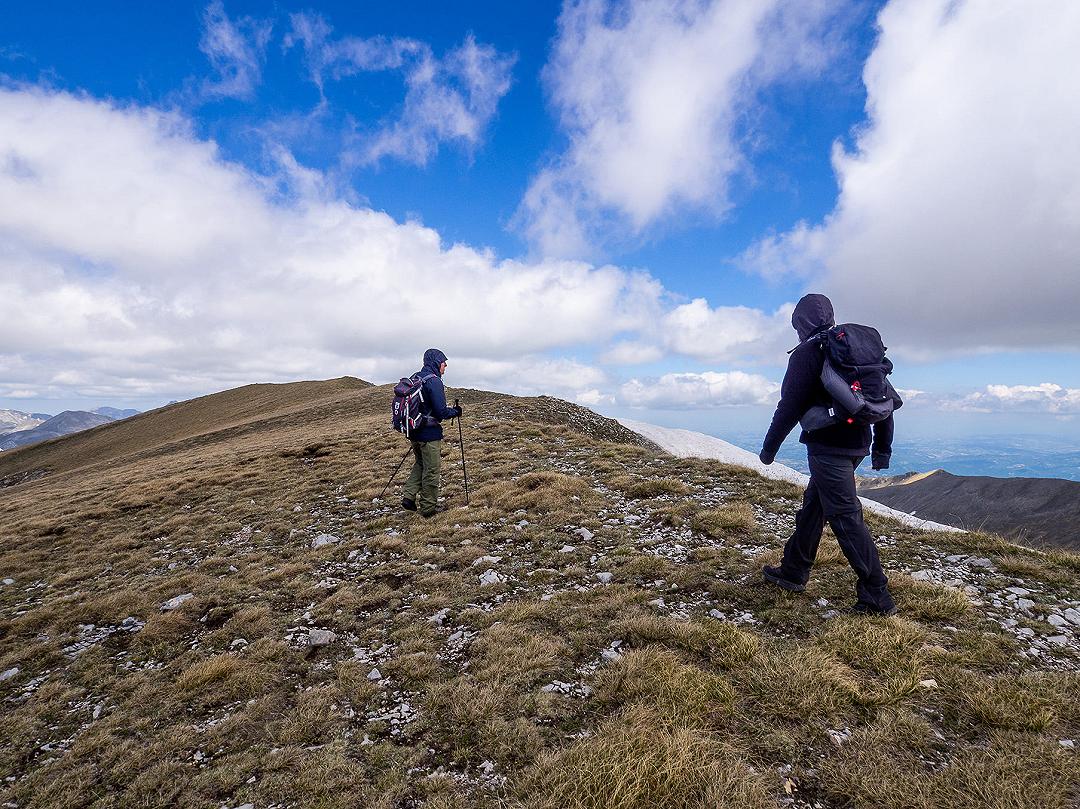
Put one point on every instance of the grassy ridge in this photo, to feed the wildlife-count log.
(626, 654)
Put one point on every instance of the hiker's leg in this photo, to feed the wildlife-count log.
(429, 487)
(802, 546)
(416, 476)
(844, 513)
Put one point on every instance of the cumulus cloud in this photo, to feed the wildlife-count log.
(134, 259)
(451, 98)
(650, 96)
(694, 391)
(1047, 397)
(958, 220)
(236, 50)
(728, 333)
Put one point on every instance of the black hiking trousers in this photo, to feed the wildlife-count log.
(831, 497)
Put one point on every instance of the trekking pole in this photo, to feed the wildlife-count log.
(402, 463)
(461, 443)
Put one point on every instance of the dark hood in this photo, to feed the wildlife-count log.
(813, 313)
(433, 358)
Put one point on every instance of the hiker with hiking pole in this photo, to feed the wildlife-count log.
(418, 410)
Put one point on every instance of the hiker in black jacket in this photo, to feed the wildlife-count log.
(833, 454)
(422, 488)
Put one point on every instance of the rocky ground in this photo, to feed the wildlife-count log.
(592, 630)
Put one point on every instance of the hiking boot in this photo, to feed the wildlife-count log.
(429, 514)
(862, 608)
(407, 504)
(772, 575)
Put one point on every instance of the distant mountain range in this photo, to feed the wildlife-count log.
(1032, 511)
(114, 413)
(13, 420)
(70, 421)
(18, 429)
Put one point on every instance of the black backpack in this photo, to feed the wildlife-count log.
(855, 374)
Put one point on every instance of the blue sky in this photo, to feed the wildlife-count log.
(617, 203)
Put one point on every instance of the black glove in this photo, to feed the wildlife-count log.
(457, 414)
(766, 457)
(879, 461)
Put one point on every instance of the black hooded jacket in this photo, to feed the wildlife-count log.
(802, 389)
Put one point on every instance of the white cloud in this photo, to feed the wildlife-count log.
(447, 99)
(1047, 397)
(728, 333)
(135, 260)
(650, 95)
(236, 50)
(691, 391)
(632, 352)
(958, 222)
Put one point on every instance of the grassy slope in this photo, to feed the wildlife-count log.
(683, 682)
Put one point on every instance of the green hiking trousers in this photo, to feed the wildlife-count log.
(422, 487)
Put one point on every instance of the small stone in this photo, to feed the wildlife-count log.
(956, 558)
(657, 602)
(1056, 620)
(238, 643)
(8, 582)
(440, 616)
(1059, 640)
(1020, 591)
(320, 637)
(176, 602)
(604, 578)
(719, 616)
(7, 675)
(1025, 604)
(322, 540)
(491, 577)
(98, 709)
(1073, 616)
(487, 560)
(567, 549)
(585, 533)
(980, 562)
(247, 805)
(297, 509)
(374, 675)
(1068, 744)
(611, 654)
(487, 767)
(923, 575)
(928, 684)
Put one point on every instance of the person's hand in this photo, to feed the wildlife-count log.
(879, 462)
(458, 409)
(766, 457)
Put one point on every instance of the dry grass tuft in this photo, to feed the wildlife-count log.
(887, 655)
(1033, 701)
(723, 644)
(788, 682)
(737, 518)
(643, 487)
(541, 492)
(678, 692)
(635, 761)
(884, 765)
